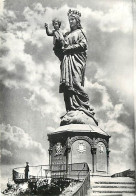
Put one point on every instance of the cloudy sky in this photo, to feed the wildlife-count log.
(30, 102)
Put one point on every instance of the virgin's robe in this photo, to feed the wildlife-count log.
(72, 72)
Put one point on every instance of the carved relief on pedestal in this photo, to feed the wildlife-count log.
(101, 147)
(81, 147)
(73, 139)
(58, 154)
(101, 157)
(96, 141)
(80, 150)
(58, 149)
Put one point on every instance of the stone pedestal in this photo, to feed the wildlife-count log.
(79, 143)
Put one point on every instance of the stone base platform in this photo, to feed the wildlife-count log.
(80, 143)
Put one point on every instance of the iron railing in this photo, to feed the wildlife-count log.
(82, 190)
(61, 175)
(40, 171)
(72, 171)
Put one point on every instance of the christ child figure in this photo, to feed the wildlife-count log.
(58, 38)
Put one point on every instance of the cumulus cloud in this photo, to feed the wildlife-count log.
(50, 129)
(49, 104)
(121, 146)
(99, 96)
(6, 153)
(107, 107)
(117, 18)
(7, 19)
(18, 147)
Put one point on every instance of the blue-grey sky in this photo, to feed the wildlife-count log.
(30, 102)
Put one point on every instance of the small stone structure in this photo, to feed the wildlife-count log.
(78, 143)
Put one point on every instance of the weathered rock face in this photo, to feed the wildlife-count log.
(77, 117)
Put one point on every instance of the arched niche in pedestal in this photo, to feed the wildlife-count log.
(81, 152)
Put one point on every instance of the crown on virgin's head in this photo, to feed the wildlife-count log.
(74, 13)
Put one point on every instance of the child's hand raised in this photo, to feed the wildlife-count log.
(46, 25)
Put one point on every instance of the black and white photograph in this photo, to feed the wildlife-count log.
(67, 98)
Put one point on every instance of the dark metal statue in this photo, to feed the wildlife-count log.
(73, 54)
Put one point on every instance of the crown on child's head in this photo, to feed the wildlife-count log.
(74, 13)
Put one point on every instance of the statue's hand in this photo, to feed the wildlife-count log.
(46, 25)
(73, 47)
(66, 34)
(66, 49)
